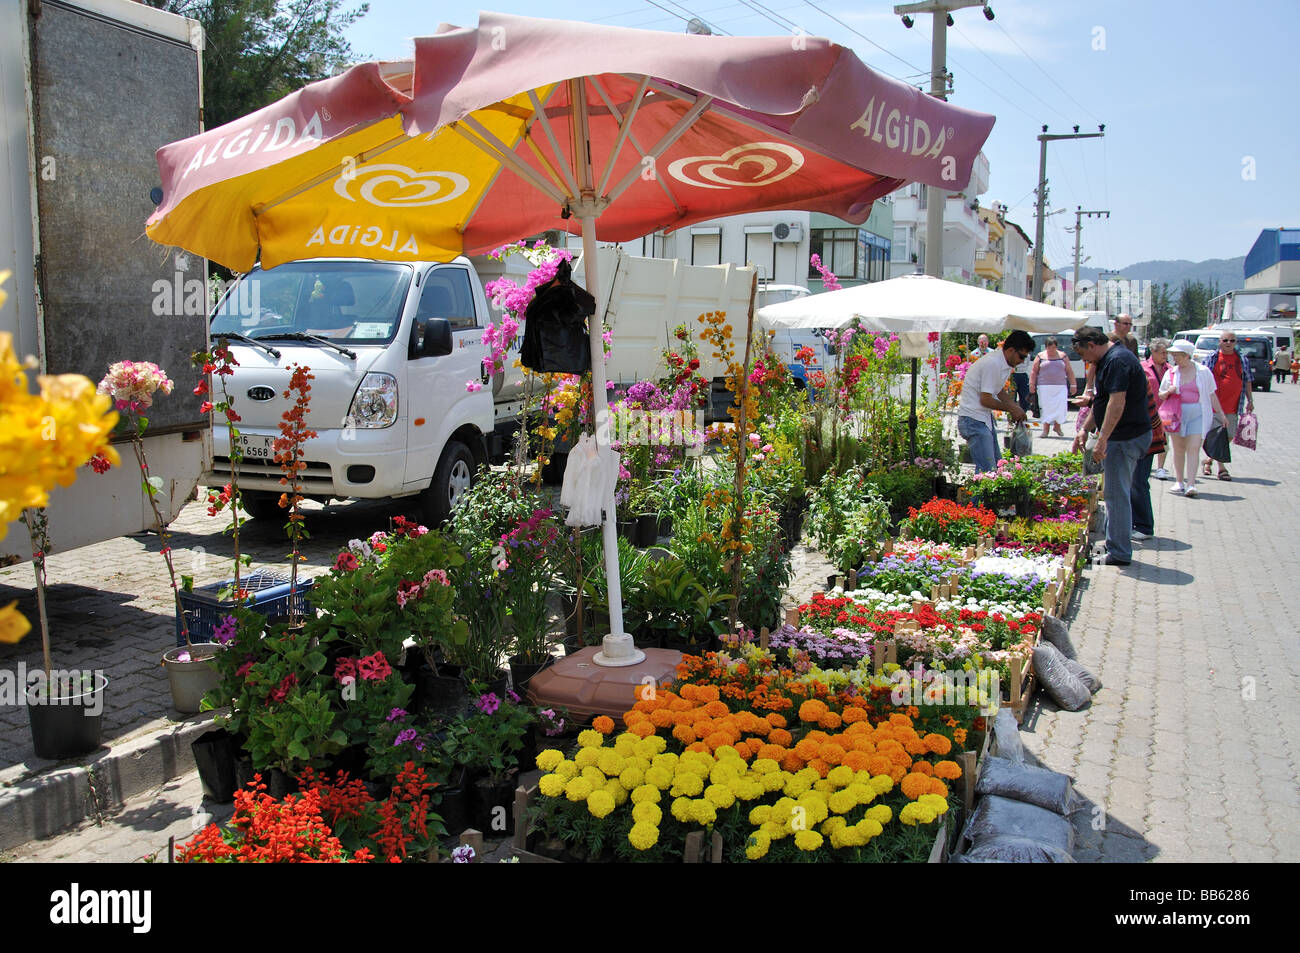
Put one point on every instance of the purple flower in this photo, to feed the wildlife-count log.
(512, 695)
(396, 713)
(462, 854)
(488, 704)
(403, 736)
(225, 632)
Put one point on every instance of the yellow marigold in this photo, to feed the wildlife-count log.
(600, 803)
(644, 793)
(934, 802)
(643, 836)
(883, 784)
(548, 759)
(862, 793)
(703, 812)
(937, 744)
(687, 784)
(774, 781)
(764, 766)
(590, 738)
(616, 791)
(841, 802)
(594, 776)
(747, 789)
(868, 828)
(841, 776)
(816, 807)
(610, 762)
(725, 771)
(579, 789)
(667, 760)
(758, 845)
(586, 757)
(647, 812)
(882, 814)
(550, 785)
(833, 824)
(760, 814)
(720, 795)
(948, 770)
(631, 777)
(824, 786)
(914, 813)
(661, 778)
(625, 744)
(808, 840)
(795, 785)
(566, 770)
(603, 723)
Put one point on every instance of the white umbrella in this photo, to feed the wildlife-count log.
(914, 306)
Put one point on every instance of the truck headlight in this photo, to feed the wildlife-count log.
(375, 404)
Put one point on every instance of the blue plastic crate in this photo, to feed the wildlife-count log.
(269, 595)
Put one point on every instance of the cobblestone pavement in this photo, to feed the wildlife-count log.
(1187, 754)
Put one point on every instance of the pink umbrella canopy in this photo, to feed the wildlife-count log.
(525, 125)
(450, 153)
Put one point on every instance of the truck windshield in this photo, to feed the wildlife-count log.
(357, 302)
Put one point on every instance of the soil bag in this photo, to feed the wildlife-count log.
(1064, 687)
(1090, 681)
(1024, 782)
(1013, 850)
(1006, 737)
(1057, 633)
(1002, 817)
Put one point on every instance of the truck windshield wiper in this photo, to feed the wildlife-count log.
(235, 336)
(303, 336)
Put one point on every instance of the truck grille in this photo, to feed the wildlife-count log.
(316, 474)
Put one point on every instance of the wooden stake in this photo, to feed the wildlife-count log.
(889, 546)
(936, 592)
(474, 839)
(853, 579)
(877, 657)
(792, 617)
(763, 638)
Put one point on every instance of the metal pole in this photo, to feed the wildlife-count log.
(1078, 236)
(911, 420)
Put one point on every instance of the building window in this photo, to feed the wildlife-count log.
(838, 248)
(706, 247)
(760, 251)
(902, 247)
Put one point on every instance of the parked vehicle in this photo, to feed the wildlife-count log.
(89, 89)
(392, 347)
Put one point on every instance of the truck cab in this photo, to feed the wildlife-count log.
(391, 347)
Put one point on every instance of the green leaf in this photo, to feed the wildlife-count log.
(155, 483)
(187, 583)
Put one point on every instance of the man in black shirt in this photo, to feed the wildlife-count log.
(1120, 414)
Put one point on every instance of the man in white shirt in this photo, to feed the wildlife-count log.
(981, 394)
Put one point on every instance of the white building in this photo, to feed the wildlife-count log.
(963, 231)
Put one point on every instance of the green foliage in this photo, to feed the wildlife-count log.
(901, 487)
(292, 717)
(671, 602)
(848, 518)
(488, 740)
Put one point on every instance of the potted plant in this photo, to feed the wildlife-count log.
(525, 586)
(487, 743)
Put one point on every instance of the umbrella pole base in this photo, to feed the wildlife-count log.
(617, 651)
(584, 689)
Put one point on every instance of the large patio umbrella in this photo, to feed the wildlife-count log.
(524, 125)
(915, 306)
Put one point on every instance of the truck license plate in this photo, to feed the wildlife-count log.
(256, 447)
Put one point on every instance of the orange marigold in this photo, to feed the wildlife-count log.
(698, 746)
(880, 764)
(603, 723)
(959, 735)
(775, 720)
(661, 718)
(774, 752)
(679, 704)
(898, 772)
(779, 736)
(812, 710)
(684, 733)
(830, 721)
(901, 720)
(863, 744)
(938, 787)
(707, 693)
(807, 749)
(915, 746)
(857, 760)
(948, 770)
(914, 785)
(923, 767)
(792, 762)
(854, 714)
(717, 709)
(821, 766)
(642, 729)
(937, 743)
(630, 718)
(833, 752)
(717, 739)
(690, 692)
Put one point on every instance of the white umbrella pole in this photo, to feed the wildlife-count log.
(618, 649)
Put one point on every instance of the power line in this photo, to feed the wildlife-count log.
(1004, 70)
(912, 66)
(1043, 71)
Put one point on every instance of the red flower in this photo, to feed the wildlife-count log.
(202, 388)
(281, 692)
(205, 407)
(99, 463)
(345, 668)
(374, 667)
(346, 562)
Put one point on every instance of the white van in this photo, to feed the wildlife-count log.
(391, 346)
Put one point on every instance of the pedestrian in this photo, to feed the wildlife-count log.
(1144, 518)
(1119, 416)
(1232, 379)
(1052, 380)
(981, 348)
(982, 393)
(1157, 364)
(1191, 387)
(1281, 364)
(1295, 368)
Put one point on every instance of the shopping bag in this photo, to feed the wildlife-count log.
(1217, 445)
(1247, 431)
(1171, 413)
(1022, 444)
(1092, 466)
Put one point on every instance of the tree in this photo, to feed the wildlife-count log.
(258, 51)
(1194, 303)
(1162, 312)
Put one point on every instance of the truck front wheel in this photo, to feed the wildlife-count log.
(262, 505)
(453, 476)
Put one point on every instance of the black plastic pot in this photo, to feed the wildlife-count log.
(665, 526)
(627, 529)
(245, 772)
(66, 723)
(492, 806)
(521, 671)
(453, 803)
(438, 693)
(214, 755)
(496, 686)
(647, 530)
(281, 783)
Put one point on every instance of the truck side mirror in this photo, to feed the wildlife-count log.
(437, 338)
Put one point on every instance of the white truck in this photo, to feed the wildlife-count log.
(392, 347)
(89, 89)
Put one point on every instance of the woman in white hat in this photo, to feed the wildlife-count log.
(1190, 404)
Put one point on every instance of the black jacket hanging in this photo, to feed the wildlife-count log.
(555, 327)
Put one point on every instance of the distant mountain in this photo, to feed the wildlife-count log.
(1226, 271)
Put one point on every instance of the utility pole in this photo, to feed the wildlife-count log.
(1043, 140)
(1079, 216)
(937, 198)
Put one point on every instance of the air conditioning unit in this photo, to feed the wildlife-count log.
(792, 232)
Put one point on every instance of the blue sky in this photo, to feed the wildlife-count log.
(1201, 146)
